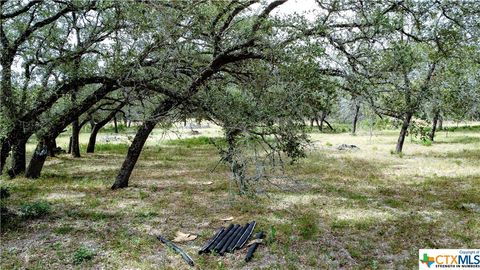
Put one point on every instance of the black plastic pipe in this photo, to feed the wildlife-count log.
(220, 245)
(219, 238)
(176, 249)
(230, 240)
(245, 235)
(253, 247)
(210, 242)
(232, 245)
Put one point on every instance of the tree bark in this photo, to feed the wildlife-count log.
(434, 126)
(355, 119)
(322, 119)
(320, 126)
(93, 139)
(137, 145)
(440, 123)
(75, 139)
(403, 132)
(51, 146)
(18, 157)
(115, 123)
(4, 151)
(69, 145)
(38, 159)
(92, 123)
(6, 95)
(133, 153)
(328, 124)
(97, 126)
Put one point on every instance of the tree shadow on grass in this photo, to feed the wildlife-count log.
(467, 154)
(457, 140)
(437, 213)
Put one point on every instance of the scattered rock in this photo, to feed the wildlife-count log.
(227, 219)
(195, 132)
(112, 138)
(347, 147)
(471, 207)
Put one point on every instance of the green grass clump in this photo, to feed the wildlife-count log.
(83, 254)
(64, 229)
(117, 148)
(427, 142)
(474, 128)
(195, 141)
(35, 209)
(307, 225)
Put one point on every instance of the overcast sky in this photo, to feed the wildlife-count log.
(298, 6)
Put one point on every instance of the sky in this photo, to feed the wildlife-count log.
(298, 6)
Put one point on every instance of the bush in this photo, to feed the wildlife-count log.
(83, 254)
(35, 210)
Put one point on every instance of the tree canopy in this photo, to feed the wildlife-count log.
(259, 74)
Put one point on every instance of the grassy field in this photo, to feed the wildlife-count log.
(363, 209)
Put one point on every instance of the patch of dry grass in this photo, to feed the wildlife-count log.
(349, 209)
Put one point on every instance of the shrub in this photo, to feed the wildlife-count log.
(35, 209)
(83, 254)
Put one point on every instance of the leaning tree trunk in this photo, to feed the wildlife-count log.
(18, 157)
(51, 146)
(38, 159)
(355, 119)
(97, 126)
(92, 123)
(93, 138)
(328, 124)
(133, 153)
(320, 127)
(434, 126)
(4, 150)
(138, 142)
(322, 119)
(403, 132)
(69, 151)
(115, 125)
(75, 138)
